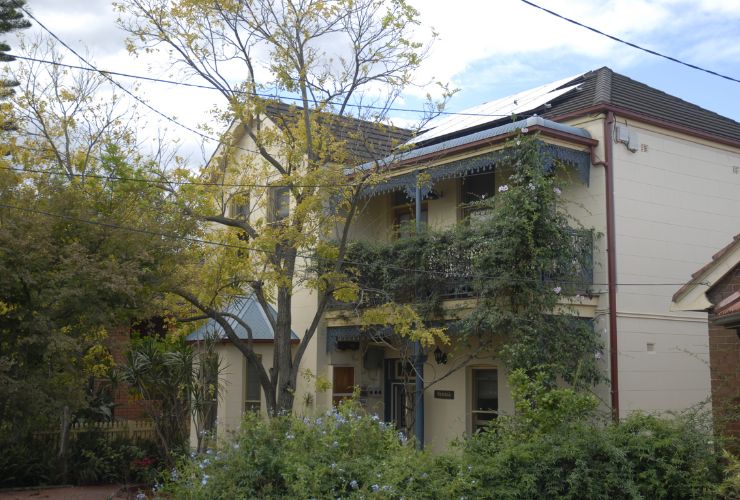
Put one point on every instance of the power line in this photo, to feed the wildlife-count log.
(124, 228)
(185, 183)
(633, 45)
(134, 96)
(244, 92)
(174, 183)
(301, 254)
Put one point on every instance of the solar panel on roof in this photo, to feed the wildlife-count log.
(516, 104)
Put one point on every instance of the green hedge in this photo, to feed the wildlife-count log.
(572, 455)
(92, 458)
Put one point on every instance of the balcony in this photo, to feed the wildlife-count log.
(439, 266)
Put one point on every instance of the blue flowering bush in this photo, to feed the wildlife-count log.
(343, 453)
(555, 446)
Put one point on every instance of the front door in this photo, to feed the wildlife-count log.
(399, 394)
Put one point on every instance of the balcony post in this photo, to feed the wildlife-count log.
(418, 352)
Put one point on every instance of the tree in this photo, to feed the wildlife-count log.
(343, 60)
(11, 19)
(174, 381)
(84, 244)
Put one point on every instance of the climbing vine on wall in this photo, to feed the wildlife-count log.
(523, 258)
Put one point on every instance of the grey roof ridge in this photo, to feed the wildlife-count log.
(603, 91)
(478, 136)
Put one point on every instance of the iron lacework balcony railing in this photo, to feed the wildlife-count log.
(436, 267)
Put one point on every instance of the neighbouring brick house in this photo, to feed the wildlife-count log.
(118, 342)
(715, 288)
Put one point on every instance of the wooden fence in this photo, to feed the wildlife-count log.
(131, 429)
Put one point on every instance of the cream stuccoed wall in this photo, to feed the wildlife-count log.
(232, 388)
(677, 202)
(446, 419)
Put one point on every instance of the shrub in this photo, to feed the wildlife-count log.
(555, 447)
(26, 460)
(30, 460)
(343, 453)
(95, 459)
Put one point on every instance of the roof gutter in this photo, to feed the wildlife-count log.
(611, 255)
(651, 120)
(473, 146)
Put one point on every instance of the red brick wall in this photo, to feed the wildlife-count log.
(126, 409)
(724, 362)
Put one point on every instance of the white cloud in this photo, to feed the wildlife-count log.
(487, 48)
(484, 45)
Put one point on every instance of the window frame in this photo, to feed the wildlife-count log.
(278, 208)
(475, 423)
(467, 196)
(251, 404)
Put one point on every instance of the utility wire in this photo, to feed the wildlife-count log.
(124, 228)
(300, 254)
(244, 92)
(134, 96)
(633, 45)
(191, 183)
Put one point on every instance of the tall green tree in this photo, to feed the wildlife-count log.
(11, 19)
(85, 244)
(341, 59)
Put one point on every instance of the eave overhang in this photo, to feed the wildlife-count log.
(457, 157)
(650, 120)
(693, 295)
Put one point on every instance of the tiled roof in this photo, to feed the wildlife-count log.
(604, 87)
(364, 140)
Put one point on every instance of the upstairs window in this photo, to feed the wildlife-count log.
(279, 208)
(475, 188)
(240, 207)
(404, 214)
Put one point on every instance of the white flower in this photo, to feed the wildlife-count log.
(204, 481)
(557, 191)
(531, 186)
(503, 189)
(353, 484)
(375, 487)
(557, 289)
(288, 435)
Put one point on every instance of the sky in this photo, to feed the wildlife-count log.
(486, 48)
